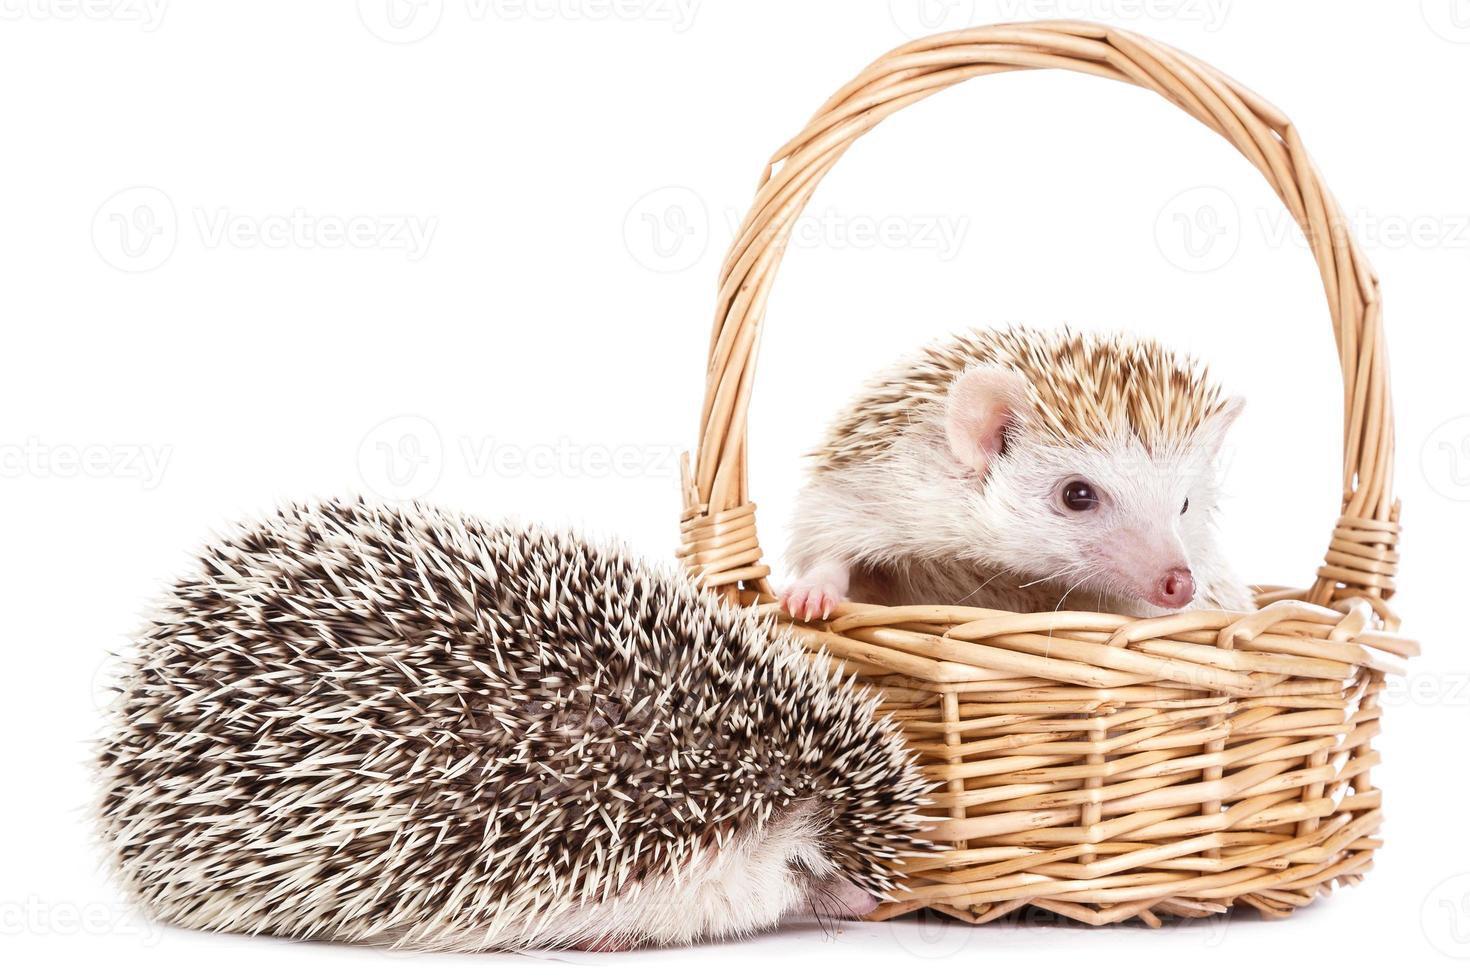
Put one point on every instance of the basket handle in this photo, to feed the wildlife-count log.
(719, 545)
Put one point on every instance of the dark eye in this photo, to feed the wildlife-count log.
(1079, 495)
(1185, 508)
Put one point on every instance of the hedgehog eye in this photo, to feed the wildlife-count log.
(1079, 495)
(1185, 509)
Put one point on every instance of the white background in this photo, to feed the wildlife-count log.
(254, 252)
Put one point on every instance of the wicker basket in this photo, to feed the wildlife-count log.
(1096, 766)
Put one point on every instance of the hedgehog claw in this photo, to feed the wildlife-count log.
(810, 601)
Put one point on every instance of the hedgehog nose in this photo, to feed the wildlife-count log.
(845, 899)
(1174, 589)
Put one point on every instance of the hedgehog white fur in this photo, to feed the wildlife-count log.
(401, 726)
(1025, 470)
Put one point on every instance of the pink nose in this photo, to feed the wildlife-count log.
(844, 899)
(1174, 589)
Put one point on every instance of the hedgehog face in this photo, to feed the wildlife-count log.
(1109, 516)
(797, 843)
(1115, 520)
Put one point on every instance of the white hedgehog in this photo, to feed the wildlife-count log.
(1021, 470)
(401, 726)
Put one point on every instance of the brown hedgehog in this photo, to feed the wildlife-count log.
(1021, 470)
(402, 726)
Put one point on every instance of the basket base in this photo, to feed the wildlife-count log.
(1271, 902)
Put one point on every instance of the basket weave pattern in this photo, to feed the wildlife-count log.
(1097, 766)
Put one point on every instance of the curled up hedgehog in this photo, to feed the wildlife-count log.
(404, 727)
(1021, 470)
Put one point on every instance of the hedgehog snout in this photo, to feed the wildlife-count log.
(1174, 589)
(836, 897)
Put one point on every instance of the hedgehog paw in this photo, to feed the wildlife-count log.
(810, 600)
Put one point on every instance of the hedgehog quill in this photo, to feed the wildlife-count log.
(404, 727)
(1022, 470)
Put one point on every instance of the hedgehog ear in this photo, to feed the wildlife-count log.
(983, 403)
(1211, 433)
